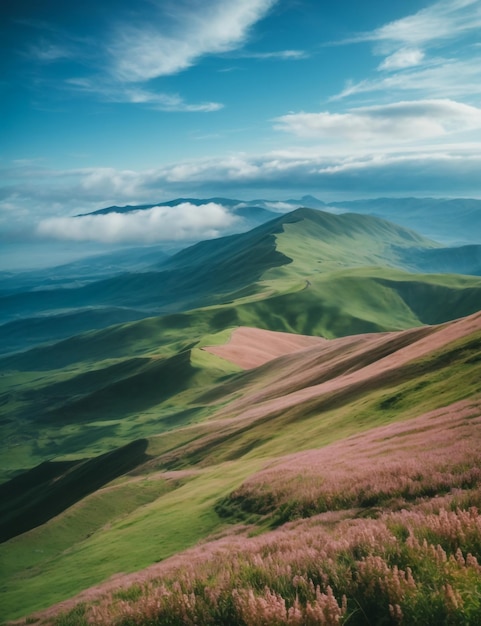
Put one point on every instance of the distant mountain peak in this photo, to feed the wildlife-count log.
(312, 201)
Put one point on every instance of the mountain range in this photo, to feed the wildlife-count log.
(453, 221)
(318, 373)
(75, 297)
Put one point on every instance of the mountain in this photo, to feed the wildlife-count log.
(227, 202)
(458, 260)
(251, 213)
(280, 255)
(454, 221)
(24, 333)
(157, 286)
(309, 201)
(331, 460)
(276, 376)
(83, 271)
(306, 272)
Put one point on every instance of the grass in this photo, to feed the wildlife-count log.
(66, 554)
(151, 379)
(91, 515)
(400, 462)
(418, 387)
(31, 500)
(83, 411)
(36, 576)
(418, 567)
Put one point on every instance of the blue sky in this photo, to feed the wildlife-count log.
(127, 103)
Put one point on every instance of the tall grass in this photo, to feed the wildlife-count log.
(387, 466)
(407, 567)
(409, 551)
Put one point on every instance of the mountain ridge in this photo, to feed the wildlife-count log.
(454, 221)
(150, 428)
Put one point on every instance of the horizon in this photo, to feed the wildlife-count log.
(109, 105)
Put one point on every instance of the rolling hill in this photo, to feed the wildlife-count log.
(344, 398)
(454, 221)
(286, 361)
(214, 271)
(306, 272)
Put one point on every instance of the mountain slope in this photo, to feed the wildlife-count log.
(177, 285)
(459, 260)
(214, 271)
(455, 221)
(302, 273)
(126, 445)
(337, 389)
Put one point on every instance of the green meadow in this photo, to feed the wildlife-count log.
(170, 501)
(121, 446)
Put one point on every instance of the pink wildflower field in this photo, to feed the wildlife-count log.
(385, 530)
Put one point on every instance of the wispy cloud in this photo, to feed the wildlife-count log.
(127, 55)
(443, 20)
(113, 92)
(446, 78)
(406, 57)
(418, 53)
(48, 52)
(404, 122)
(283, 55)
(145, 51)
(182, 222)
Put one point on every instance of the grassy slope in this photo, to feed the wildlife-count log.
(97, 398)
(111, 386)
(22, 334)
(69, 411)
(194, 277)
(131, 380)
(32, 499)
(444, 219)
(211, 460)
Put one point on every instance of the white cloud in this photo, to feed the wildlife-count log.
(408, 45)
(178, 35)
(112, 92)
(441, 169)
(406, 57)
(182, 222)
(442, 79)
(408, 121)
(282, 207)
(285, 55)
(143, 52)
(443, 20)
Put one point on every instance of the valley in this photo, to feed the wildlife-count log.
(314, 381)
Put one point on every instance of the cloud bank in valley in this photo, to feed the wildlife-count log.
(184, 222)
(438, 169)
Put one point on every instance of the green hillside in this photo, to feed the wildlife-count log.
(229, 268)
(191, 483)
(450, 220)
(214, 270)
(307, 272)
(125, 445)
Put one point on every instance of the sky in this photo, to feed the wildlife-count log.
(112, 102)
